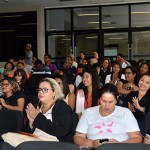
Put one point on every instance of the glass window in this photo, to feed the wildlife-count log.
(116, 43)
(86, 43)
(58, 20)
(59, 45)
(86, 18)
(115, 17)
(141, 45)
(140, 15)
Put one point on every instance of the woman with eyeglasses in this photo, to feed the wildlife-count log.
(12, 98)
(139, 101)
(54, 118)
(129, 84)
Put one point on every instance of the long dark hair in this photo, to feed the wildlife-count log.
(95, 85)
(21, 72)
(120, 72)
(64, 80)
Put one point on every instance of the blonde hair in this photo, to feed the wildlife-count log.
(55, 87)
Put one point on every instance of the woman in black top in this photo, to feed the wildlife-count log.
(139, 101)
(55, 117)
(12, 98)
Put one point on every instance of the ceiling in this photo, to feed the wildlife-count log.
(63, 3)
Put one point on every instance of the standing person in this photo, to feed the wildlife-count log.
(139, 101)
(107, 120)
(29, 54)
(54, 118)
(88, 95)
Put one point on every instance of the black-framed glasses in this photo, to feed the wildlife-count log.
(44, 90)
(5, 84)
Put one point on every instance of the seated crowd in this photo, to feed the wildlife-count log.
(79, 102)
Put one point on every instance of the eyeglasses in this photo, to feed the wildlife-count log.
(5, 84)
(128, 73)
(44, 90)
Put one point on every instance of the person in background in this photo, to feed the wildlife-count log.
(88, 95)
(54, 117)
(27, 67)
(74, 62)
(104, 69)
(107, 121)
(47, 60)
(40, 67)
(28, 54)
(19, 65)
(128, 85)
(115, 75)
(143, 69)
(13, 97)
(8, 68)
(21, 78)
(69, 96)
(139, 101)
(81, 57)
(122, 61)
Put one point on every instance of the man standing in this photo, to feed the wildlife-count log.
(29, 54)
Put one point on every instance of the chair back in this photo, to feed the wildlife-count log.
(45, 145)
(147, 123)
(4, 146)
(10, 121)
(124, 146)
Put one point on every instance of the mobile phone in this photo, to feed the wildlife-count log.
(103, 140)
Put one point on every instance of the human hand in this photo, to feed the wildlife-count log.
(112, 141)
(131, 107)
(32, 112)
(135, 101)
(3, 102)
(96, 143)
(147, 139)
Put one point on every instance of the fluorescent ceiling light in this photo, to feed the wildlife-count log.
(7, 30)
(26, 24)
(146, 35)
(116, 38)
(83, 15)
(111, 34)
(11, 16)
(144, 12)
(25, 36)
(108, 27)
(96, 22)
(91, 37)
(66, 39)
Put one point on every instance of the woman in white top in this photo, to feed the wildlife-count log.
(116, 74)
(107, 121)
